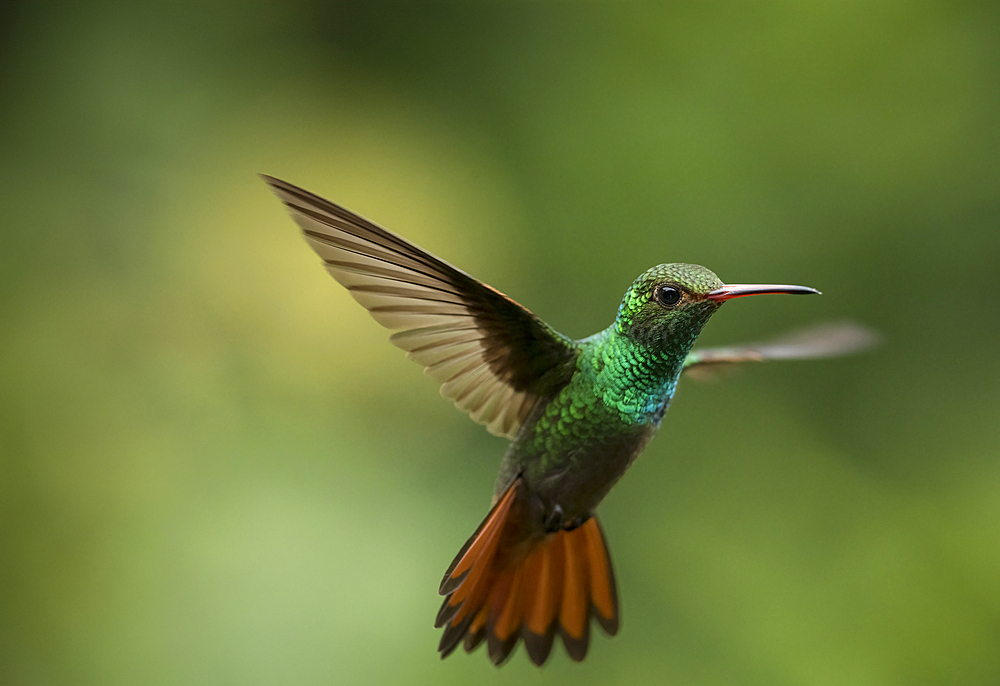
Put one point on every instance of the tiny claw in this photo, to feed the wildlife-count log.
(554, 522)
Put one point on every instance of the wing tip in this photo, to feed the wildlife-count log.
(273, 182)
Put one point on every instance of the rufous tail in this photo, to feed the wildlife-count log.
(506, 584)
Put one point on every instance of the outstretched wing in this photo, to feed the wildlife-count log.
(494, 358)
(824, 340)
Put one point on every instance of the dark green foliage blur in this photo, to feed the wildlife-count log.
(215, 470)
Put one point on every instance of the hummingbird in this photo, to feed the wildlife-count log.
(577, 413)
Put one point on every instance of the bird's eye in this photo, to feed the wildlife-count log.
(668, 296)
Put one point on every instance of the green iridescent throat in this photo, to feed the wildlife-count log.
(633, 378)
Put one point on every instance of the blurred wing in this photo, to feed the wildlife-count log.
(494, 358)
(824, 340)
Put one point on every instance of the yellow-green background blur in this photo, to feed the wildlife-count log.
(215, 470)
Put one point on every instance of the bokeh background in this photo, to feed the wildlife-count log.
(214, 468)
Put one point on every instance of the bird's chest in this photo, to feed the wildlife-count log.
(574, 450)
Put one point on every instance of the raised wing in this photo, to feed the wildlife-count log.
(824, 340)
(494, 358)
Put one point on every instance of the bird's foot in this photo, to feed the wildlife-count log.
(557, 521)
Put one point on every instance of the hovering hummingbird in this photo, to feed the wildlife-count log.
(577, 413)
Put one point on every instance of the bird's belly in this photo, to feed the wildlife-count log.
(567, 475)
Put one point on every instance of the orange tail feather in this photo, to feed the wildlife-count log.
(503, 586)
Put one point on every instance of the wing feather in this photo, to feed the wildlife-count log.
(822, 340)
(494, 359)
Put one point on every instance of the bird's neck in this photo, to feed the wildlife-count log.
(635, 378)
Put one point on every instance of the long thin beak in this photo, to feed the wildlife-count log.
(740, 290)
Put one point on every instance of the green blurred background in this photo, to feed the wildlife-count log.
(214, 468)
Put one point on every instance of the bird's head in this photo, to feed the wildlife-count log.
(667, 306)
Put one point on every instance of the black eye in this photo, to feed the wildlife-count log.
(668, 296)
